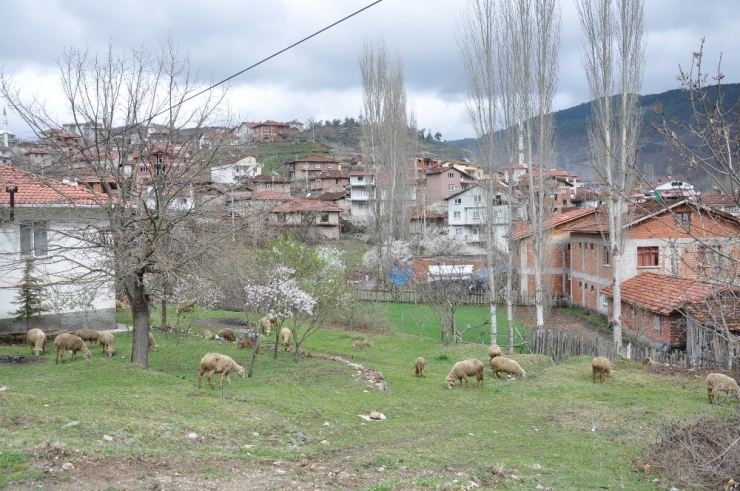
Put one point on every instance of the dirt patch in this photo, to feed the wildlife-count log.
(16, 360)
(183, 474)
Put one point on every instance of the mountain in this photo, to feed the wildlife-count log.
(656, 158)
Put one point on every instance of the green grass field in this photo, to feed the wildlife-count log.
(539, 428)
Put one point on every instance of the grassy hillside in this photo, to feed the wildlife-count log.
(555, 429)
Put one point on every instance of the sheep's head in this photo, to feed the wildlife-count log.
(37, 351)
(240, 371)
(523, 374)
(87, 353)
(450, 382)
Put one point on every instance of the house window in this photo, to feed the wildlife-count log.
(477, 198)
(476, 231)
(360, 178)
(160, 158)
(607, 256)
(458, 231)
(268, 185)
(360, 206)
(451, 175)
(317, 165)
(330, 166)
(458, 201)
(456, 215)
(450, 187)
(363, 192)
(498, 214)
(476, 215)
(656, 322)
(647, 257)
(325, 218)
(143, 168)
(34, 239)
(683, 219)
(604, 300)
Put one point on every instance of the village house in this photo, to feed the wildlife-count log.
(235, 169)
(329, 182)
(362, 188)
(42, 221)
(270, 182)
(312, 165)
(338, 198)
(439, 183)
(267, 130)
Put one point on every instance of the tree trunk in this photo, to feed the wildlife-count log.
(136, 293)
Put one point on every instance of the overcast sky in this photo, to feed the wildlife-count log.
(320, 78)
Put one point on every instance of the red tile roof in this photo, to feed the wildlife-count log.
(302, 205)
(661, 293)
(556, 220)
(271, 196)
(36, 190)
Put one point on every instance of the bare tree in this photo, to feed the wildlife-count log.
(134, 121)
(388, 141)
(478, 43)
(613, 58)
(532, 29)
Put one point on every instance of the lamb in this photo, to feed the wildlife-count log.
(267, 323)
(464, 369)
(217, 363)
(36, 339)
(227, 334)
(207, 334)
(507, 365)
(88, 335)
(719, 382)
(600, 366)
(65, 342)
(152, 343)
(420, 367)
(285, 336)
(107, 343)
(494, 351)
(186, 306)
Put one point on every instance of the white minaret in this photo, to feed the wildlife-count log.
(5, 127)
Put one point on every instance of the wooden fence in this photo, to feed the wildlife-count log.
(410, 296)
(561, 345)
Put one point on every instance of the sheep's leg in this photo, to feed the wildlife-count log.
(210, 378)
(200, 376)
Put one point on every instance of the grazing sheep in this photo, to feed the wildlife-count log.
(207, 334)
(285, 336)
(70, 342)
(107, 343)
(506, 365)
(719, 382)
(600, 366)
(267, 323)
(494, 351)
(36, 339)
(87, 334)
(217, 363)
(464, 369)
(420, 367)
(186, 306)
(227, 334)
(152, 343)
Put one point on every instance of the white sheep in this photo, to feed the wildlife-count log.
(218, 363)
(507, 365)
(494, 350)
(285, 336)
(719, 382)
(152, 343)
(186, 306)
(88, 334)
(227, 334)
(70, 342)
(420, 367)
(107, 343)
(267, 323)
(464, 369)
(207, 334)
(600, 366)
(36, 339)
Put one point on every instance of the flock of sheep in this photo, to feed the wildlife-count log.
(600, 367)
(213, 363)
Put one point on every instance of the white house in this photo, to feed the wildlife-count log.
(43, 222)
(467, 216)
(235, 170)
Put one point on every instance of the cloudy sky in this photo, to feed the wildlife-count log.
(320, 78)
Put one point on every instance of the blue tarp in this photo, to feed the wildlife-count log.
(400, 276)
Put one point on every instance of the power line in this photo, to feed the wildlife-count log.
(268, 58)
